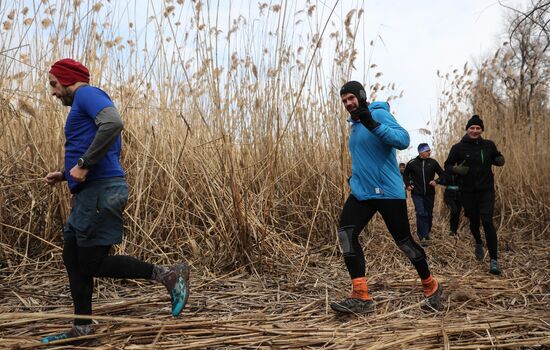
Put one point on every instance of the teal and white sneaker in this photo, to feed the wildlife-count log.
(75, 332)
(176, 281)
(494, 267)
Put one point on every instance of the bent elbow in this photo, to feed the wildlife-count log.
(119, 126)
(401, 146)
(403, 143)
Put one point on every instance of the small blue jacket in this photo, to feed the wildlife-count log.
(374, 170)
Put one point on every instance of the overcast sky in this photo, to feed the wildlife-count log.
(423, 36)
(413, 40)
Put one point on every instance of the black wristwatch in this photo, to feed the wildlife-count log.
(80, 162)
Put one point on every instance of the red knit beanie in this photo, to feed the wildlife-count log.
(69, 71)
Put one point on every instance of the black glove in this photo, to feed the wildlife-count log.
(461, 169)
(499, 160)
(363, 114)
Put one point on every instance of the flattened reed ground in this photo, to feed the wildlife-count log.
(282, 308)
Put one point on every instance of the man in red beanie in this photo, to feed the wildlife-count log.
(97, 182)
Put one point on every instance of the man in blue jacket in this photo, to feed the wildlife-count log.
(99, 194)
(376, 186)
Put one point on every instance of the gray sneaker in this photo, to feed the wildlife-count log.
(494, 267)
(479, 252)
(433, 302)
(353, 306)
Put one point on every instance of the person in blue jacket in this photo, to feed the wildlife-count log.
(376, 186)
(99, 191)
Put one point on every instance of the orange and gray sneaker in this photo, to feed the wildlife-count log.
(353, 306)
(432, 291)
(360, 301)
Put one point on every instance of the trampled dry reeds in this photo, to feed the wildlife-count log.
(237, 162)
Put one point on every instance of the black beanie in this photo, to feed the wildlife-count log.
(475, 120)
(356, 88)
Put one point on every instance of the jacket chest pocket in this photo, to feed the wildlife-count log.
(469, 159)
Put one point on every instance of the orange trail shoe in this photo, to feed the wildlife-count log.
(360, 290)
(353, 306)
(432, 291)
(360, 301)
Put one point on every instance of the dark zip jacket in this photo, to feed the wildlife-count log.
(419, 172)
(477, 154)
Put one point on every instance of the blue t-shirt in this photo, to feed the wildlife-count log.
(80, 130)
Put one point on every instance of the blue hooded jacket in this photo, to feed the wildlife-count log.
(374, 170)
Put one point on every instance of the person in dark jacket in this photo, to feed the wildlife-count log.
(376, 186)
(451, 197)
(471, 159)
(402, 168)
(419, 177)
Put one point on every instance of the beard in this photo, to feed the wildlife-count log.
(66, 97)
(66, 100)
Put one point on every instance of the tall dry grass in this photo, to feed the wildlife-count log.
(235, 142)
(510, 91)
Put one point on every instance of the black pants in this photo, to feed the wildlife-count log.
(85, 263)
(479, 206)
(455, 207)
(357, 214)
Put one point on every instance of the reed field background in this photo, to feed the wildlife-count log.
(235, 148)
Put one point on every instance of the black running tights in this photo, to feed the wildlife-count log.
(394, 212)
(85, 263)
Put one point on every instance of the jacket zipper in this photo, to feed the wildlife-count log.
(423, 176)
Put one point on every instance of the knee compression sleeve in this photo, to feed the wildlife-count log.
(412, 250)
(345, 237)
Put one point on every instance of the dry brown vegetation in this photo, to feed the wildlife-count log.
(235, 146)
